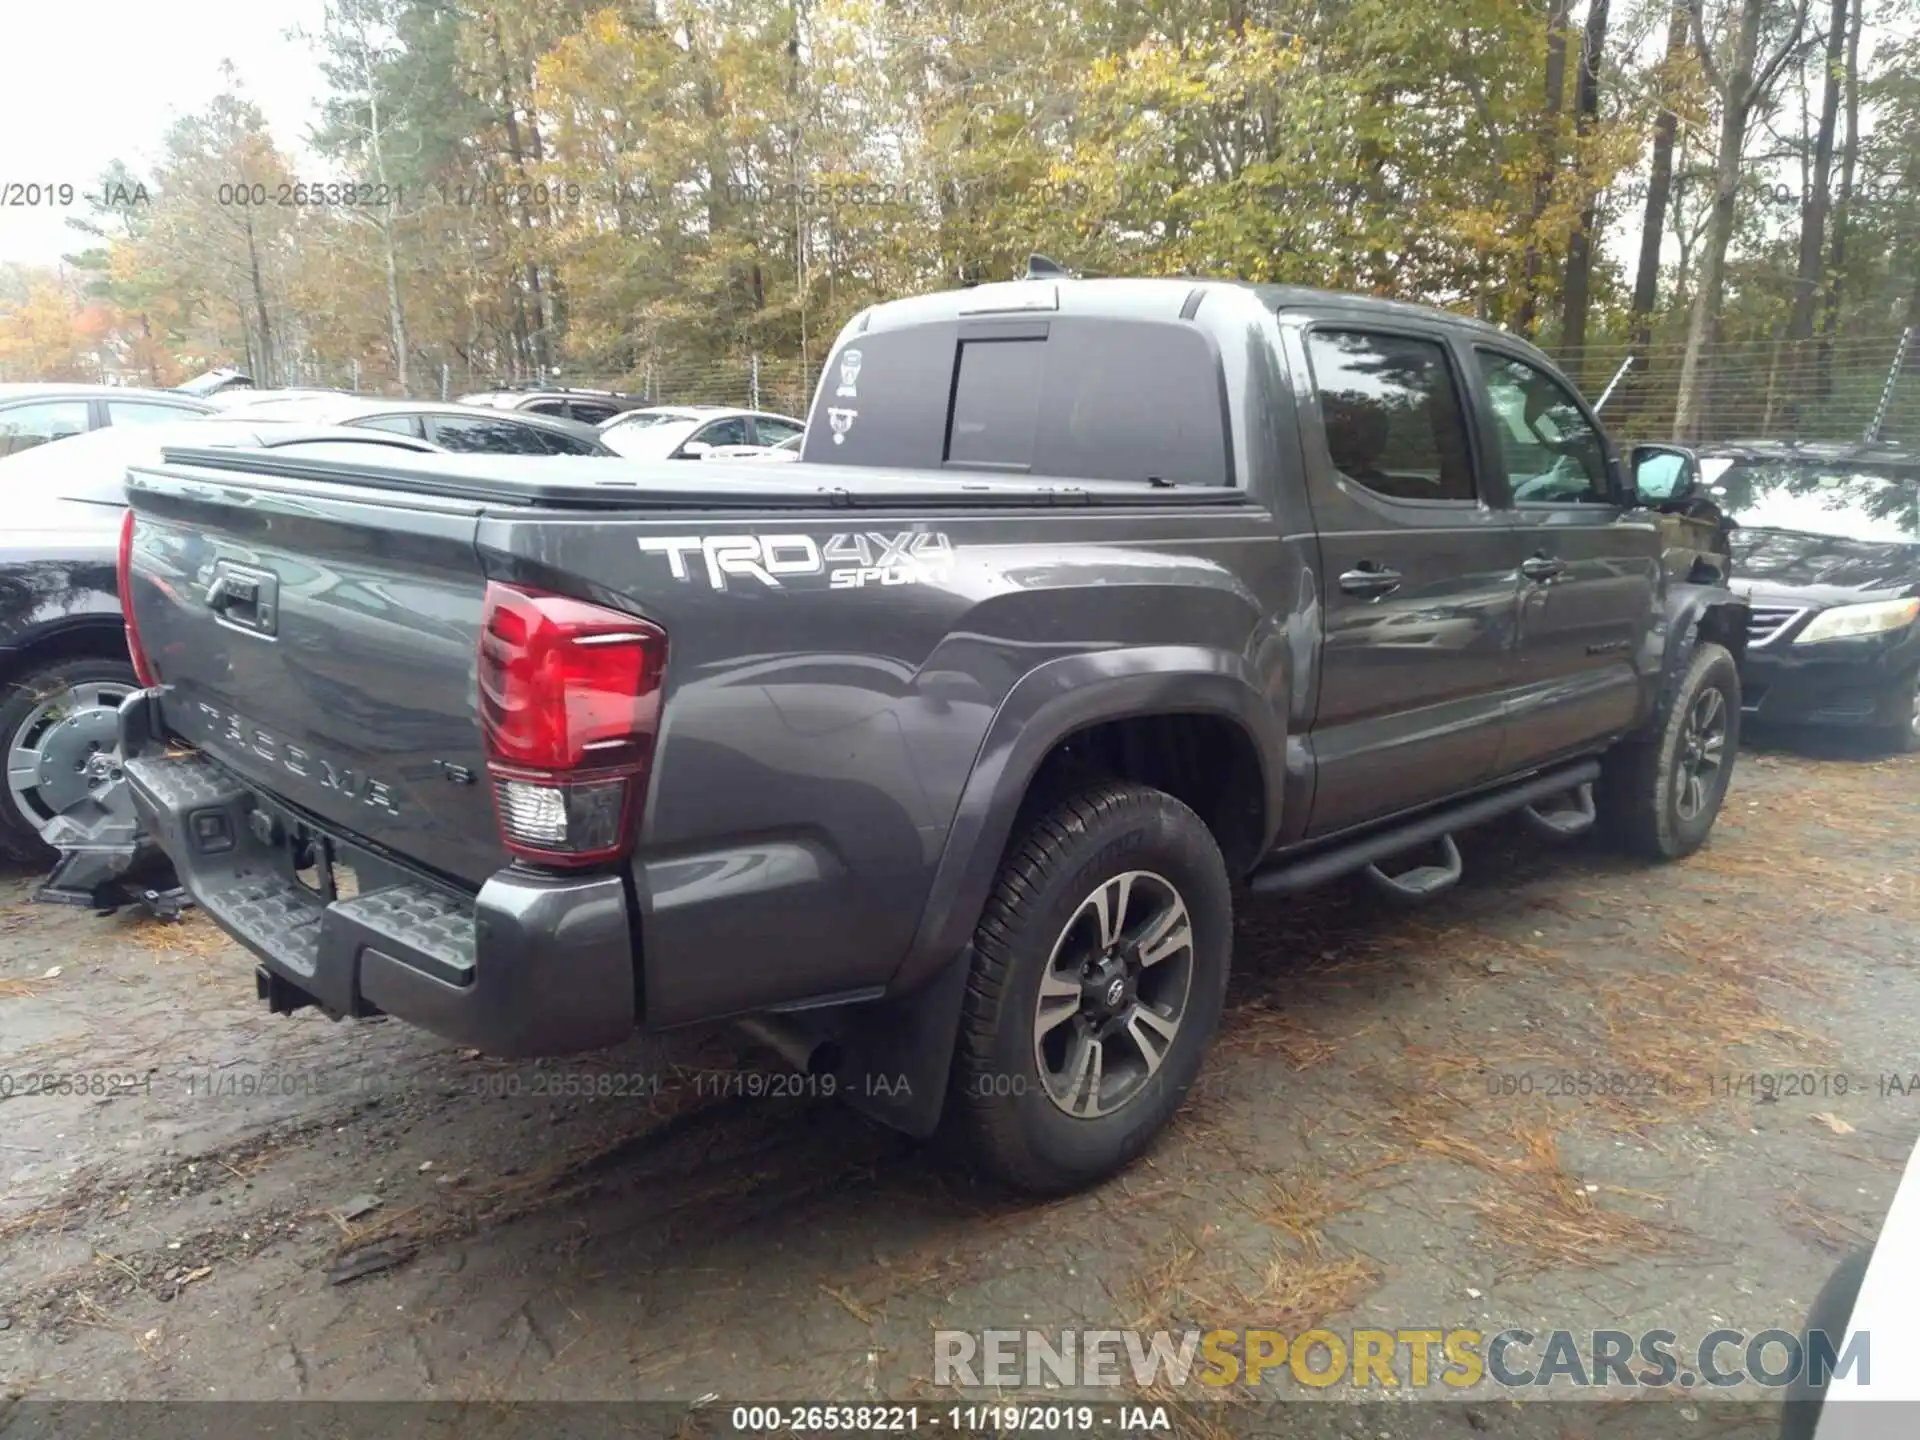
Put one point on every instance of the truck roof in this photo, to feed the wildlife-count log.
(1148, 298)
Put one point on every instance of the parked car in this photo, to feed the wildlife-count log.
(786, 450)
(245, 397)
(590, 407)
(460, 428)
(216, 381)
(686, 432)
(1827, 548)
(934, 765)
(33, 414)
(63, 655)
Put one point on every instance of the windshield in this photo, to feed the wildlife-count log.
(1840, 499)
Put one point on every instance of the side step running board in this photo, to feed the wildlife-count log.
(1575, 815)
(1420, 882)
(1291, 875)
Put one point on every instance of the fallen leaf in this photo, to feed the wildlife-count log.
(52, 974)
(198, 1274)
(1834, 1123)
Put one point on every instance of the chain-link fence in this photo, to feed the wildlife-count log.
(1822, 389)
(755, 382)
(1831, 389)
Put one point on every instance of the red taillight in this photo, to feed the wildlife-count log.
(142, 669)
(569, 705)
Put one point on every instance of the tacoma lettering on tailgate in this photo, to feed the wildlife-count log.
(297, 760)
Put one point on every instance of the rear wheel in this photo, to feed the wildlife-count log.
(1100, 966)
(60, 734)
(1658, 797)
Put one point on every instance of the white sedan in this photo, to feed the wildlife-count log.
(688, 432)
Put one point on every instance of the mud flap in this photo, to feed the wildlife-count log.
(896, 1054)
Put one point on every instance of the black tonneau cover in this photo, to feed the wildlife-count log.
(606, 483)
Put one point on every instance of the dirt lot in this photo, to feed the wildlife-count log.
(414, 1221)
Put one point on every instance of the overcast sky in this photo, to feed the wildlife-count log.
(90, 80)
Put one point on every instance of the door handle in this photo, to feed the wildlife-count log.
(1371, 581)
(1542, 567)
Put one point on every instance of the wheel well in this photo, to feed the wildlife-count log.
(91, 641)
(1726, 625)
(1206, 762)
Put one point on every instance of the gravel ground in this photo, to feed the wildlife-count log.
(265, 1208)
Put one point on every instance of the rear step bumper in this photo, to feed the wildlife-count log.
(532, 965)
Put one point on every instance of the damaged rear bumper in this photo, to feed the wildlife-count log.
(533, 964)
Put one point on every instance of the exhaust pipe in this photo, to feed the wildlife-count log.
(807, 1050)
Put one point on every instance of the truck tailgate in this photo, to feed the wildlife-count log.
(321, 641)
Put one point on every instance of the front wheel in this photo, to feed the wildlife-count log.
(1659, 796)
(1099, 971)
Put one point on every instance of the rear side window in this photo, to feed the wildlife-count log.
(398, 424)
(1071, 397)
(37, 422)
(487, 436)
(558, 442)
(148, 412)
(1392, 414)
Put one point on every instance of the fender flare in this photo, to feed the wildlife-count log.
(1048, 704)
(1695, 612)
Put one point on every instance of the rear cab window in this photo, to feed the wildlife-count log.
(1391, 414)
(1078, 397)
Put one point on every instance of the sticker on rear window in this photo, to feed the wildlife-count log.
(849, 375)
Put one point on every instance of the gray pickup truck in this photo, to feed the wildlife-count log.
(936, 758)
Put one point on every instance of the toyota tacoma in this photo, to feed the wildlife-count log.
(938, 758)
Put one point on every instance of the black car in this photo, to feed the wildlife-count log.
(467, 429)
(63, 652)
(1826, 545)
(34, 414)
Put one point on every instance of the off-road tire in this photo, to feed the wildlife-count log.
(1638, 792)
(998, 1106)
(20, 696)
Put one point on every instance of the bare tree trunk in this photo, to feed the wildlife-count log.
(1579, 280)
(1819, 199)
(1843, 210)
(1646, 280)
(265, 377)
(1746, 82)
(1558, 16)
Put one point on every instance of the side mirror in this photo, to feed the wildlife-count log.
(1663, 472)
(693, 450)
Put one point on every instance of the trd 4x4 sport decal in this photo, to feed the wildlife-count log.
(850, 561)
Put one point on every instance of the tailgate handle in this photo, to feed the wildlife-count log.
(245, 598)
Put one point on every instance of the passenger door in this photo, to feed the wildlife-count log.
(1417, 574)
(730, 431)
(1590, 567)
